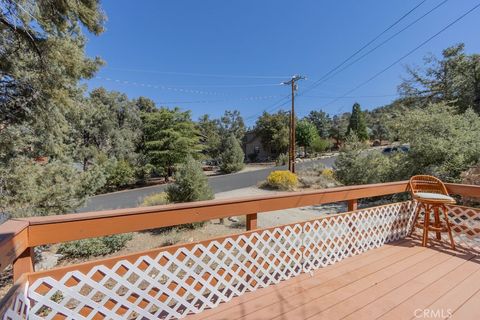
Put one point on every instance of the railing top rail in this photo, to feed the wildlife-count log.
(466, 190)
(47, 230)
(350, 192)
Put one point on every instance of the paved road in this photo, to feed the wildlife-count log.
(131, 198)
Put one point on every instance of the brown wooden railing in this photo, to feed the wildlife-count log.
(18, 237)
(106, 286)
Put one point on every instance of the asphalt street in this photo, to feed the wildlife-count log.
(133, 197)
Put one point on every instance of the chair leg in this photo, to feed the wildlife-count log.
(449, 229)
(437, 221)
(415, 217)
(426, 224)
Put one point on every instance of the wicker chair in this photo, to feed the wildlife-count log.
(432, 196)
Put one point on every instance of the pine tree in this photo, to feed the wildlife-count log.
(170, 136)
(191, 184)
(42, 59)
(232, 155)
(322, 122)
(357, 124)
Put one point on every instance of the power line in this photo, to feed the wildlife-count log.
(328, 97)
(353, 97)
(364, 46)
(376, 47)
(200, 74)
(274, 106)
(184, 88)
(269, 109)
(252, 98)
(404, 56)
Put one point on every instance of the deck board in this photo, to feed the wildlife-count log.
(470, 309)
(390, 282)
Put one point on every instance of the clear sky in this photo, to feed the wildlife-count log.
(213, 55)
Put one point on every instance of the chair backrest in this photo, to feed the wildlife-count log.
(425, 183)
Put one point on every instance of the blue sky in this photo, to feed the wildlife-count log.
(210, 56)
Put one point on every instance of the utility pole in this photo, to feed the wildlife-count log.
(291, 149)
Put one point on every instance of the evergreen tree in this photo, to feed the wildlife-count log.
(306, 134)
(322, 122)
(170, 137)
(232, 122)
(273, 130)
(42, 59)
(338, 130)
(209, 131)
(357, 123)
(455, 77)
(232, 156)
(190, 184)
(145, 104)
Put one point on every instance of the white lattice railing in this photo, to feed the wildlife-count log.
(176, 281)
(16, 305)
(465, 226)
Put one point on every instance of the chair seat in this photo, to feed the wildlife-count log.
(433, 196)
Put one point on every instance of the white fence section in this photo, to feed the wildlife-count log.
(16, 306)
(465, 226)
(333, 239)
(170, 283)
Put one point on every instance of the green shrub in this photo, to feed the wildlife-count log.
(443, 143)
(282, 180)
(119, 173)
(94, 247)
(190, 184)
(356, 165)
(282, 159)
(155, 199)
(57, 187)
(231, 158)
(144, 172)
(320, 145)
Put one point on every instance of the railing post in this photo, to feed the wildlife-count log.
(352, 204)
(251, 221)
(23, 264)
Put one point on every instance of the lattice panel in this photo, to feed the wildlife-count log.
(173, 284)
(17, 306)
(332, 239)
(465, 226)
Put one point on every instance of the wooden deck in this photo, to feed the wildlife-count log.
(401, 280)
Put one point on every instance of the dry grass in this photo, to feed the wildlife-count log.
(317, 177)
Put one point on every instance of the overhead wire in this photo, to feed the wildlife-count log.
(404, 56)
(376, 47)
(276, 106)
(365, 45)
(200, 74)
(251, 98)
